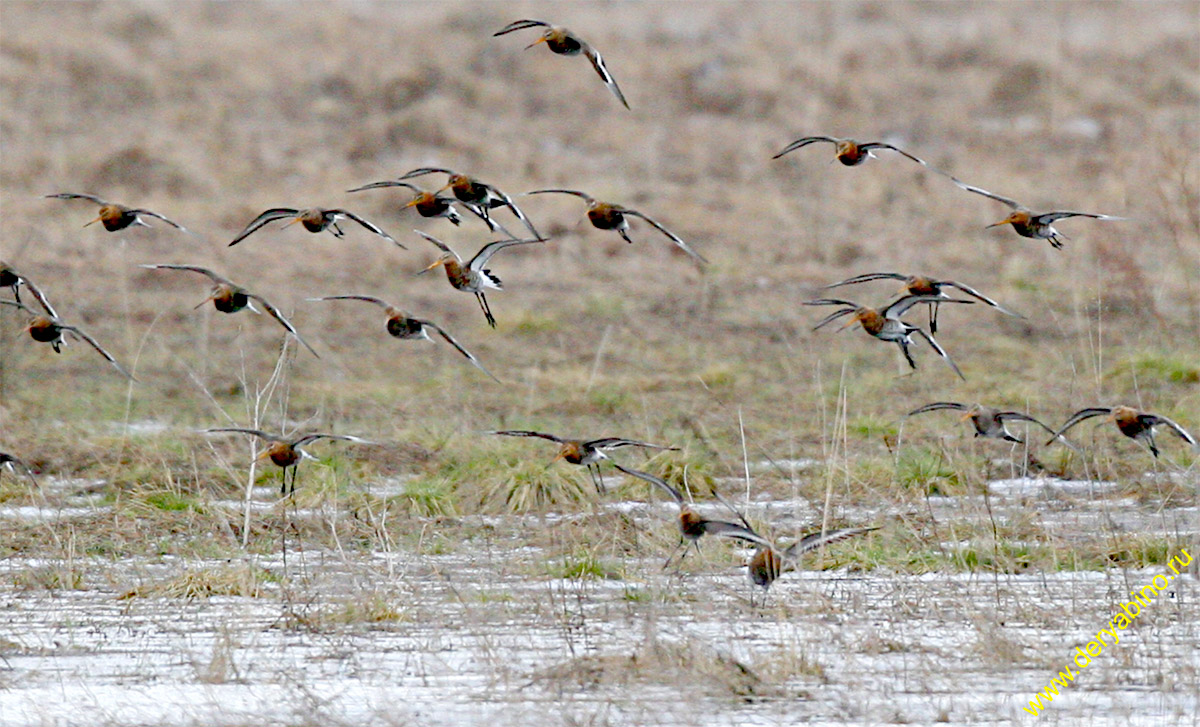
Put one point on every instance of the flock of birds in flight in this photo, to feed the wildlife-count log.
(483, 200)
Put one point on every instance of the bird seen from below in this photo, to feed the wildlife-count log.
(886, 325)
(472, 277)
(228, 297)
(403, 326)
(116, 216)
(565, 43)
(587, 452)
(314, 219)
(51, 330)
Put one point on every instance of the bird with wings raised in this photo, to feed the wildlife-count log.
(229, 297)
(286, 453)
(481, 197)
(988, 422)
(407, 328)
(1137, 425)
(886, 325)
(1034, 225)
(472, 277)
(587, 452)
(609, 216)
(116, 216)
(50, 329)
(313, 219)
(565, 43)
(10, 278)
(925, 285)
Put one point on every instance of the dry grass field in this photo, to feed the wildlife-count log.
(153, 575)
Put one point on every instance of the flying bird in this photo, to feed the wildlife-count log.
(314, 220)
(429, 204)
(924, 285)
(1134, 424)
(1037, 226)
(988, 422)
(563, 42)
(51, 330)
(886, 324)
(472, 277)
(406, 328)
(10, 278)
(692, 526)
(481, 197)
(769, 562)
(228, 297)
(286, 453)
(586, 452)
(848, 151)
(607, 216)
(116, 216)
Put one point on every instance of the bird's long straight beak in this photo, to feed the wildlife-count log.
(539, 40)
(294, 221)
(436, 263)
(206, 300)
(93, 221)
(847, 324)
(413, 203)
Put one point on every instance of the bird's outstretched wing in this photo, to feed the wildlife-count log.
(733, 530)
(598, 63)
(990, 195)
(803, 142)
(268, 216)
(82, 335)
(149, 213)
(73, 195)
(492, 248)
(470, 356)
(582, 195)
(521, 25)
(440, 245)
(938, 406)
(387, 183)
(866, 277)
(369, 225)
(940, 351)
(527, 433)
(674, 238)
(972, 292)
(1156, 420)
(657, 481)
(884, 145)
(309, 438)
(37, 294)
(900, 306)
(618, 442)
(217, 279)
(1081, 415)
(367, 298)
(1048, 217)
(242, 430)
(812, 541)
(1021, 417)
(422, 171)
(274, 313)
